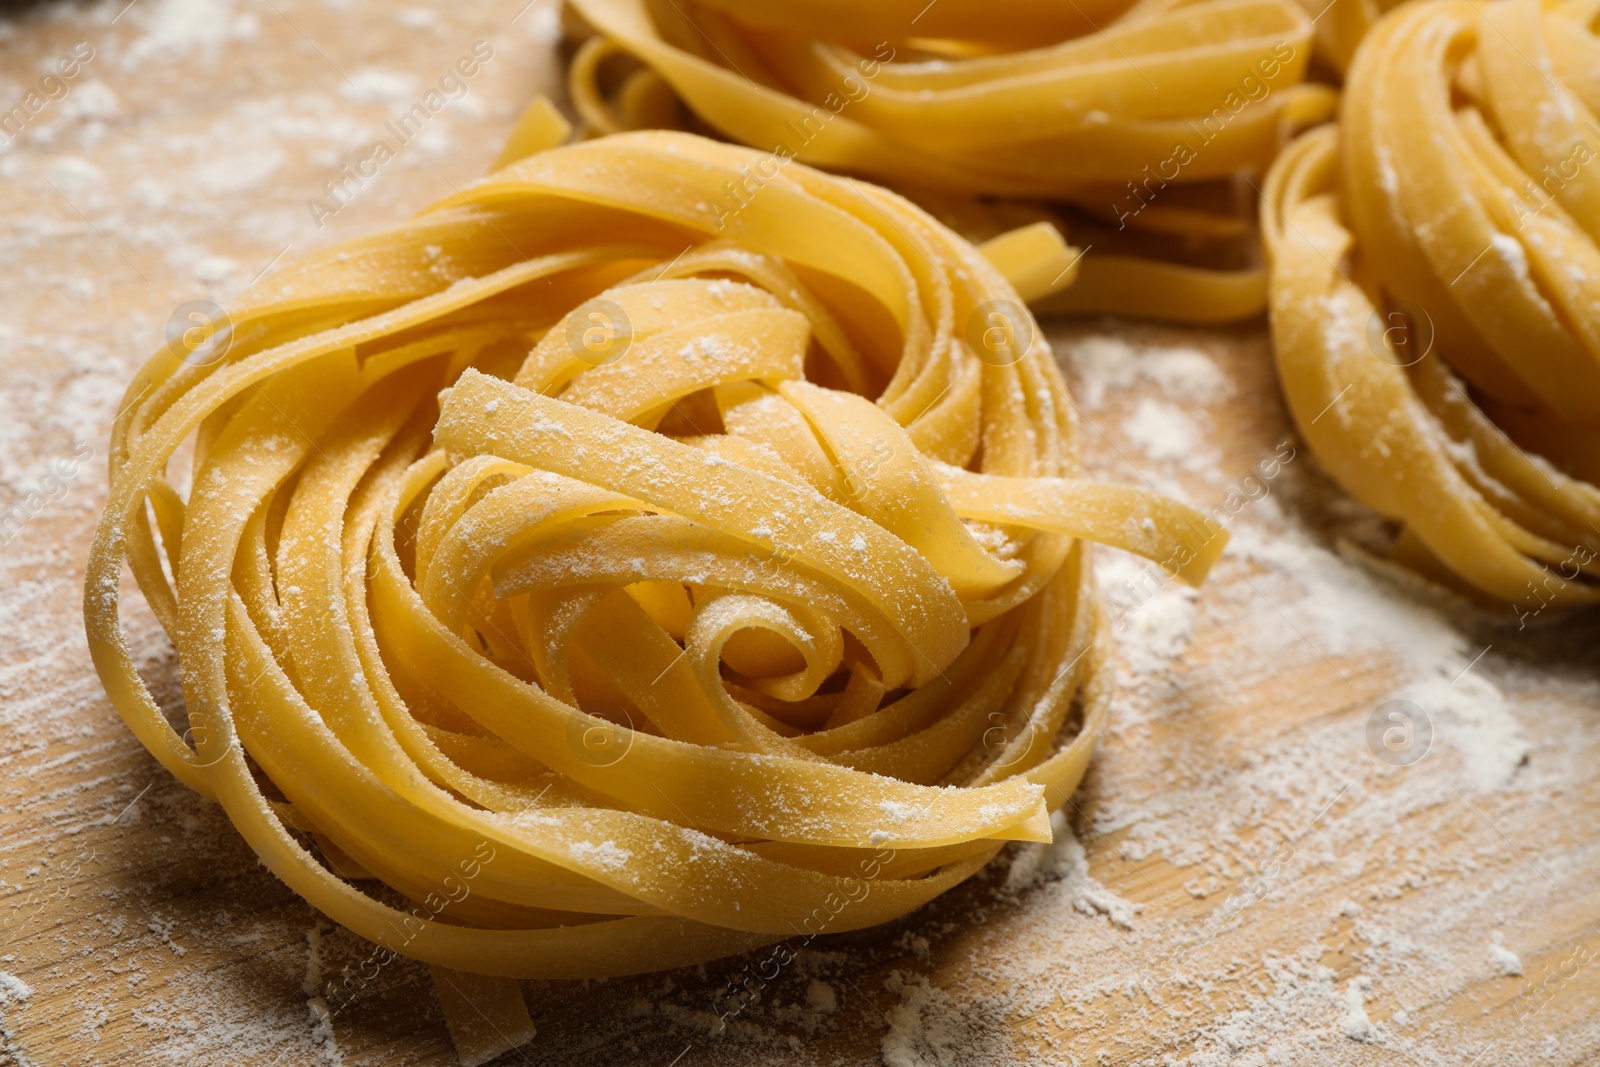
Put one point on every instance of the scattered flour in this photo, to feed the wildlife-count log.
(1295, 1017)
(1344, 604)
(1152, 616)
(543, 24)
(1510, 250)
(931, 1028)
(1165, 432)
(372, 85)
(820, 997)
(1470, 714)
(607, 853)
(1357, 1027)
(14, 988)
(1505, 961)
(1107, 364)
(93, 99)
(178, 27)
(1064, 860)
(317, 1008)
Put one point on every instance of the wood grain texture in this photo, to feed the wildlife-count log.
(139, 929)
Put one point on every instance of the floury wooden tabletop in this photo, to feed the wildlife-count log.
(1257, 871)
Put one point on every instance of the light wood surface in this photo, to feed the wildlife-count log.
(140, 930)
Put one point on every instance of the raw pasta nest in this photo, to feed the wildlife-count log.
(552, 601)
(1137, 115)
(1435, 289)
(1017, 97)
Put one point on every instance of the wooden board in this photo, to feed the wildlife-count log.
(1272, 857)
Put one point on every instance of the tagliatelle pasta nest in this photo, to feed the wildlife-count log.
(1015, 98)
(1116, 108)
(570, 587)
(1436, 292)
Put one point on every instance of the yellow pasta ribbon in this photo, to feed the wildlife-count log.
(621, 585)
(1436, 292)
